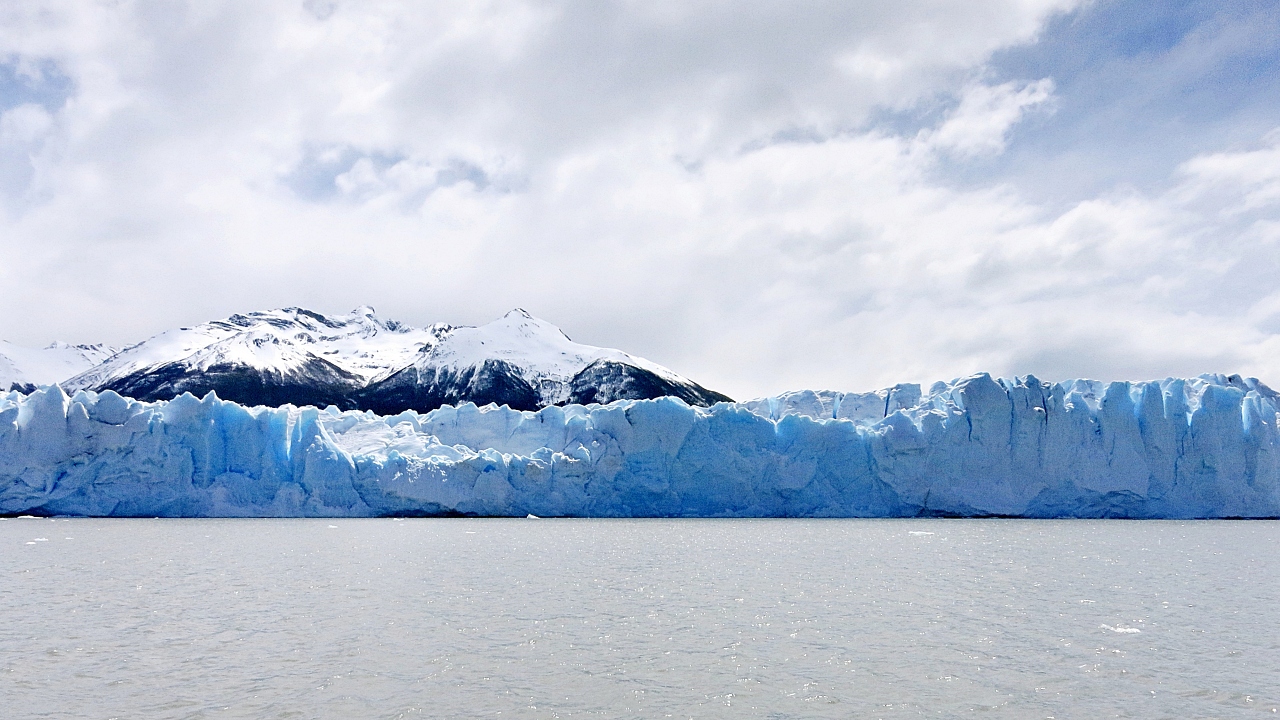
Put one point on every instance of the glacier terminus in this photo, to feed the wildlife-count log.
(1204, 447)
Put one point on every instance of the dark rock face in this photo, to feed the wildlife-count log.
(321, 383)
(493, 381)
(24, 388)
(318, 382)
(360, 362)
(604, 381)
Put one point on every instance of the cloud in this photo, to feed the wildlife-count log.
(707, 186)
(985, 115)
(1137, 92)
(1235, 183)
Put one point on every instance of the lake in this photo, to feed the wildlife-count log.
(638, 619)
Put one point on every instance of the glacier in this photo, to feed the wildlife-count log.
(1203, 447)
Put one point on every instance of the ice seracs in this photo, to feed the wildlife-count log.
(977, 446)
(565, 429)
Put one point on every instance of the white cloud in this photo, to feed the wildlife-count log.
(692, 182)
(985, 115)
(24, 124)
(1235, 182)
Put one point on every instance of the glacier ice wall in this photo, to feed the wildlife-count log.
(1203, 447)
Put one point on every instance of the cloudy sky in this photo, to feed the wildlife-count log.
(761, 195)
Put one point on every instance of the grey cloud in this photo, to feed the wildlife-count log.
(714, 186)
(712, 73)
(321, 9)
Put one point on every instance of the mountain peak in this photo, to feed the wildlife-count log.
(301, 356)
(520, 322)
(274, 341)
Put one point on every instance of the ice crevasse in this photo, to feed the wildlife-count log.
(978, 446)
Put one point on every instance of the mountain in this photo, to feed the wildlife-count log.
(25, 369)
(264, 358)
(526, 364)
(359, 361)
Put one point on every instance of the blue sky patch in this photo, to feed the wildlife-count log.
(41, 83)
(1140, 88)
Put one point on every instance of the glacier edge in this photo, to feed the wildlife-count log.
(1203, 447)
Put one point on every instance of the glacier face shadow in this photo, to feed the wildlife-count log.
(1196, 448)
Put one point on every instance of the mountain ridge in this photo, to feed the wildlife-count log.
(361, 361)
(26, 369)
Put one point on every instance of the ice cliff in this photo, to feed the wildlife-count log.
(1203, 447)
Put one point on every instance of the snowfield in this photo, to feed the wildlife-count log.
(1202, 447)
(28, 368)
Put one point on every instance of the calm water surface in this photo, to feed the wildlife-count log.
(644, 619)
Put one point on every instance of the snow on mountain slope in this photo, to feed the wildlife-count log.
(526, 363)
(28, 368)
(296, 356)
(545, 355)
(291, 345)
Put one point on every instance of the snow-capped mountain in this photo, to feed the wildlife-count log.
(27, 368)
(359, 361)
(264, 358)
(525, 363)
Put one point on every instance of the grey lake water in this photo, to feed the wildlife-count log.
(638, 619)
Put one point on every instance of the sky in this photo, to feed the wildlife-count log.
(762, 196)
